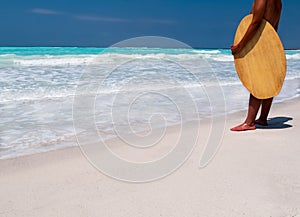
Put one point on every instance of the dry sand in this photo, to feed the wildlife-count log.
(254, 173)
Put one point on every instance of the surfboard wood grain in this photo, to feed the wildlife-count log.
(261, 65)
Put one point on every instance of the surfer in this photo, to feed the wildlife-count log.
(269, 10)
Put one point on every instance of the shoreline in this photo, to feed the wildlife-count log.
(254, 173)
(235, 112)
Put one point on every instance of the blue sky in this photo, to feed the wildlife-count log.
(201, 23)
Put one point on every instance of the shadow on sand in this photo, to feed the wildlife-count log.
(277, 123)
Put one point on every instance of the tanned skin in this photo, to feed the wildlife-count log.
(269, 10)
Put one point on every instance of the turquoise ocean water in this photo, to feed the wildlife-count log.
(38, 84)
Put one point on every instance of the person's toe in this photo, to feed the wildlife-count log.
(243, 127)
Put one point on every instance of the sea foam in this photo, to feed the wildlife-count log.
(38, 86)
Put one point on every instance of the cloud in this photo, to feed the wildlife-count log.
(101, 19)
(122, 20)
(44, 11)
(95, 18)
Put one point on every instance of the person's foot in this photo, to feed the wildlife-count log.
(243, 127)
(261, 122)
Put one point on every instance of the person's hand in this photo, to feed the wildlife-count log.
(235, 49)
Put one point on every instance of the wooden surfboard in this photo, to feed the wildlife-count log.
(261, 65)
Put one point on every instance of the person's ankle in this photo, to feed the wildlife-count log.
(249, 123)
(261, 121)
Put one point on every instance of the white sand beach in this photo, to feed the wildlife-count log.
(255, 174)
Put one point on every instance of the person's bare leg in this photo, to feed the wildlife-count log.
(253, 108)
(265, 109)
